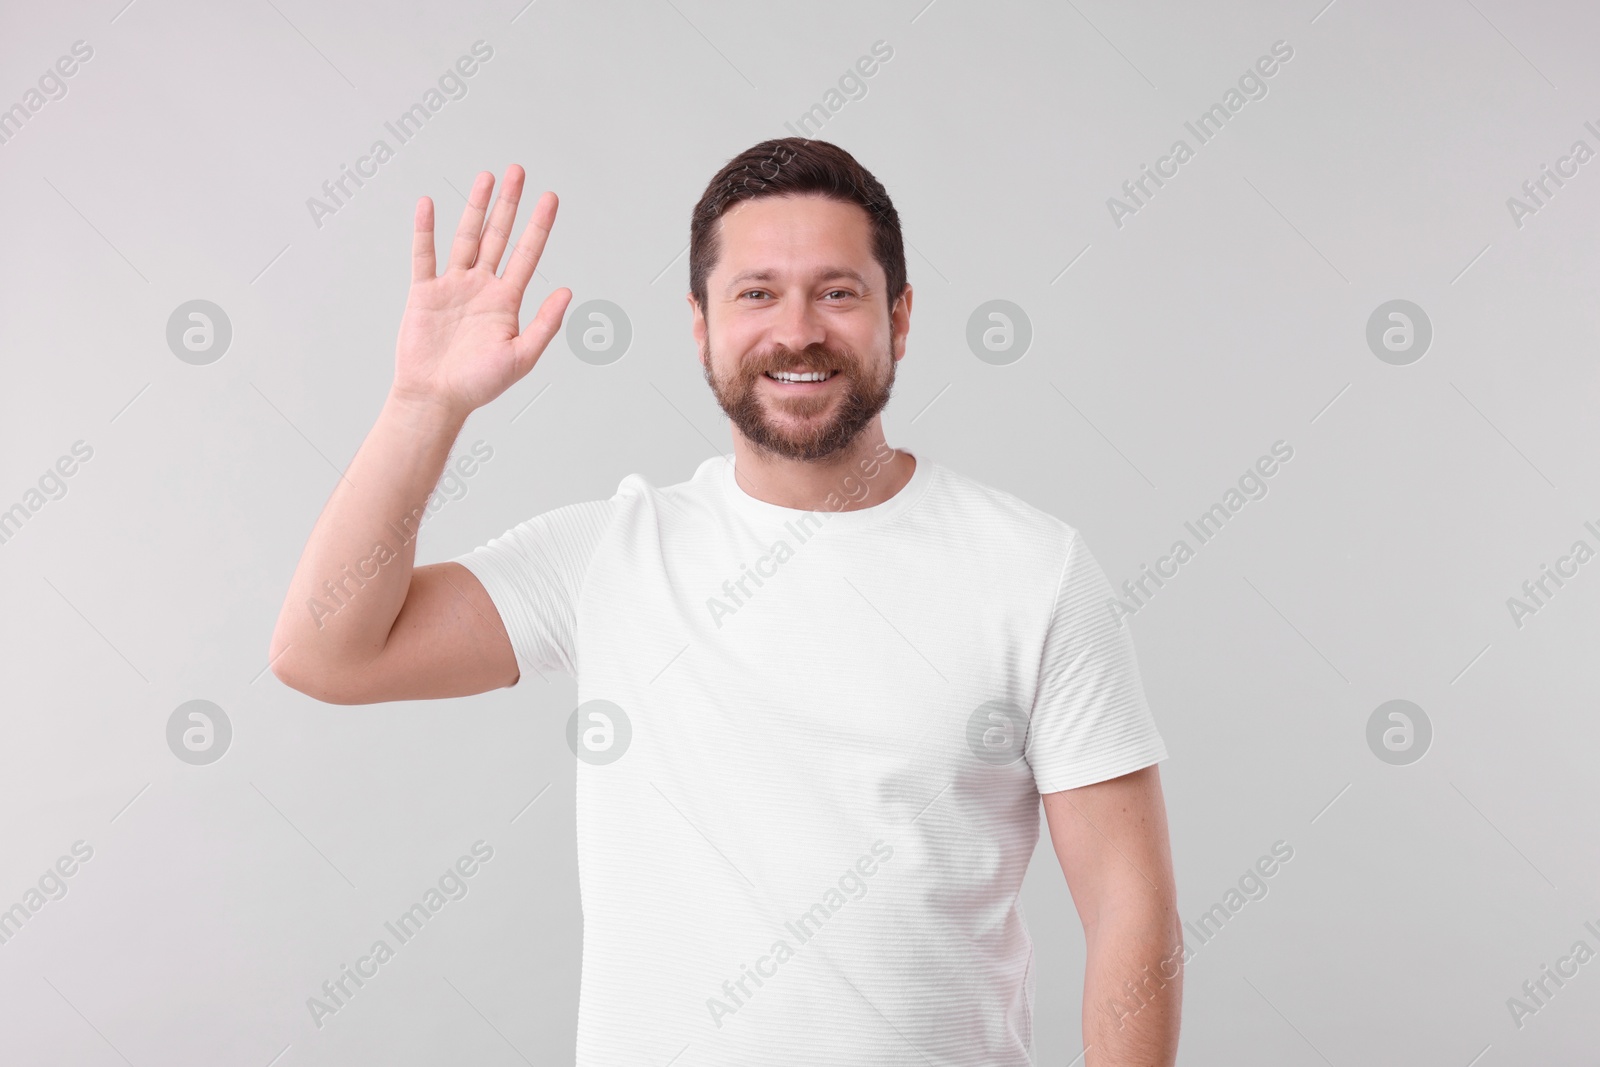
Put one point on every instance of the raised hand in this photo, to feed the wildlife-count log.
(460, 345)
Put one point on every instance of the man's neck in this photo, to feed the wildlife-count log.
(866, 473)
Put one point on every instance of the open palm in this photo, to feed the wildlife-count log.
(460, 344)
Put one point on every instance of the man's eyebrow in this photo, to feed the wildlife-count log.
(826, 274)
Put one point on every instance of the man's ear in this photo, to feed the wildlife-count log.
(900, 322)
(697, 324)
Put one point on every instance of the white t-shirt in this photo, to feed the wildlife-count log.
(802, 838)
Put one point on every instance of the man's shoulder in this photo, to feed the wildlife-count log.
(977, 503)
(638, 487)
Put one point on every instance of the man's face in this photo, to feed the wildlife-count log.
(796, 288)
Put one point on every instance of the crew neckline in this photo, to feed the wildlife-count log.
(756, 508)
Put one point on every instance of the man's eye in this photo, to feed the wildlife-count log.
(845, 292)
(748, 292)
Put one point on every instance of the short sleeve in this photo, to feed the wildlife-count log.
(1090, 720)
(534, 574)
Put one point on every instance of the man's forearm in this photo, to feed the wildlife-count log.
(1132, 990)
(380, 500)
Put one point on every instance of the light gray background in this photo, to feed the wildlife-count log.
(1229, 313)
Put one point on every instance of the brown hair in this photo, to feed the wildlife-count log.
(795, 166)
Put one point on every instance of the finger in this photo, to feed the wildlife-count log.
(525, 257)
(464, 249)
(423, 266)
(531, 342)
(497, 231)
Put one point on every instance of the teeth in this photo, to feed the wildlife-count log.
(788, 376)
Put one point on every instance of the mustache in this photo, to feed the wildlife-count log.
(814, 357)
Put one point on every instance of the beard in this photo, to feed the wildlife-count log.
(739, 396)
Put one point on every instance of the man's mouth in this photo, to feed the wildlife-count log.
(801, 377)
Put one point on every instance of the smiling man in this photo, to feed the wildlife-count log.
(823, 683)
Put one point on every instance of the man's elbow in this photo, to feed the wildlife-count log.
(317, 683)
(1145, 911)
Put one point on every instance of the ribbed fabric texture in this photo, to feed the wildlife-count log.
(838, 727)
(534, 572)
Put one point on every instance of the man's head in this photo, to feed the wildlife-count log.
(796, 264)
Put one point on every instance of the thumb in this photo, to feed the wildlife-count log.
(531, 342)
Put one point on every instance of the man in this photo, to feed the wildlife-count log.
(822, 684)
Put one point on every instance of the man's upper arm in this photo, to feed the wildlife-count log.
(1090, 720)
(1093, 747)
(534, 575)
(1111, 840)
(447, 641)
(487, 617)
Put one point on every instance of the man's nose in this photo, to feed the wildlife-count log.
(798, 325)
